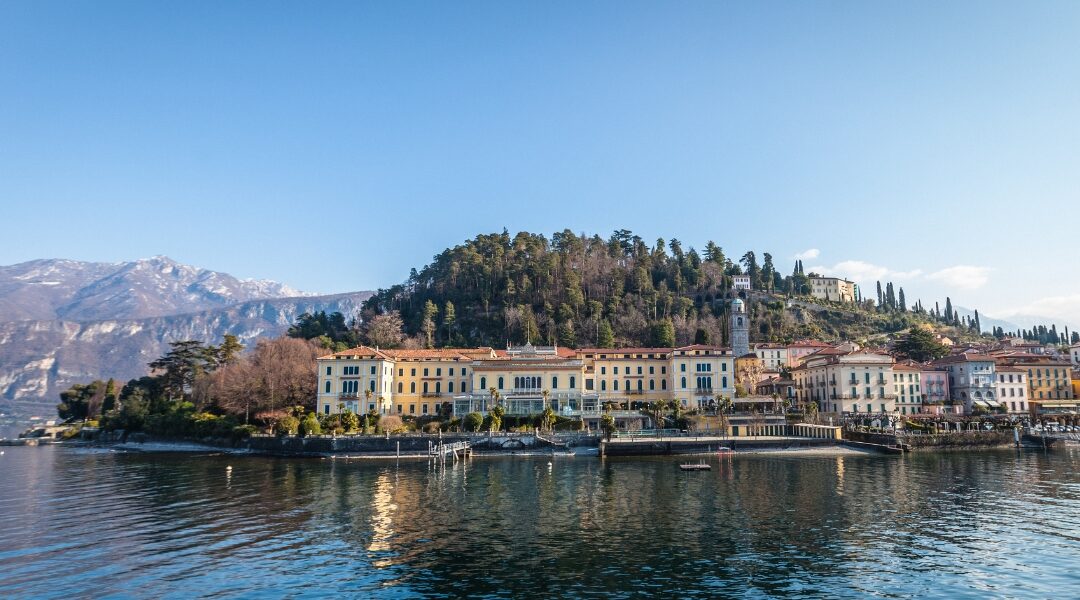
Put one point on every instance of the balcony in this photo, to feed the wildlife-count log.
(703, 391)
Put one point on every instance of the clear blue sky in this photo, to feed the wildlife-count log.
(333, 146)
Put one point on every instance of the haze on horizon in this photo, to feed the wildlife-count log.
(335, 147)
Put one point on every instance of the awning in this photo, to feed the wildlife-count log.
(1057, 404)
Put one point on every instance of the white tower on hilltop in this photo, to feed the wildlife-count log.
(740, 329)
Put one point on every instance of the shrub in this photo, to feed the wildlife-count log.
(242, 432)
(350, 421)
(473, 421)
(310, 425)
(432, 427)
(287, 426)
(390, 424)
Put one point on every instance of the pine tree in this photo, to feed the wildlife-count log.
(428, 323)
(448, 318)
(605, 337)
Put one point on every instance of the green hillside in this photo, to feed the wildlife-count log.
(582, 291)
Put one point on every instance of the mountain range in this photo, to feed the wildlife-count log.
(66, 321)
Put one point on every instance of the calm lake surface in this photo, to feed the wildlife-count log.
(99, 523)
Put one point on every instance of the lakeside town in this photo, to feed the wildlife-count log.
(769, 395)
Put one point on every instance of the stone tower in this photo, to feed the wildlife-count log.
(740, 329)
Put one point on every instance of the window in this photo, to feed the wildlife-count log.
(573, 382)
(639, 384)
(614, 370)
(438, 372)
(424, 409)
(639, 370)
(425, 372)
(412, 409)
(399, 387)
(438, 387)
(500, 383)
(463, 373)
(603, 385)
(683, 381)
(412, 387)
(615, 384)
(371, 385)
(450, 387)
(603, 370)
(723, 380)
(663, 384)
(412, 371)
(327, 385)
(663, 369)
(483, 383)
(372, 369)
(399, 409)
(554, 383)
(682, 368)
(652, 384)
(451, 372)
(401, 372)
(651, 369)
(723, 367)
(329, 369)
(326, 409)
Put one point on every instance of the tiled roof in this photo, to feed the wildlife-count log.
(623, 351)
(358, 353)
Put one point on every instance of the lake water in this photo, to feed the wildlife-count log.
(99, 523)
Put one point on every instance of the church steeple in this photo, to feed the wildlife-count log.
(740, 329)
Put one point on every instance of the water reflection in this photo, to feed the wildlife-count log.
(100, 523)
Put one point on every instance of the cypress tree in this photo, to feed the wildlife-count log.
(903, 303)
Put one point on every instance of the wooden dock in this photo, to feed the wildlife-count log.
(441, 450)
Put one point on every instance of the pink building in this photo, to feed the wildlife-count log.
(798, 350)
(935, 392)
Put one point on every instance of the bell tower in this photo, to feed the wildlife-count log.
(740, 329)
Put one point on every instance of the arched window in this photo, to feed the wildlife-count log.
(483, 383)
(573, 382)
(400, 387)
(723, 380)
(615, 384)
(663, 384)
(500, 383)
(684, 383)
(652, 384)
(603, 385)
(371, 385)
(412, 387)
(327, 386)
(639, 384)
(450, 387)
(554, 383)
(438, 387)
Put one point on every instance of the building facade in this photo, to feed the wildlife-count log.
(773, 356)
(971, 380)
(907, 387)
(1012, 389)
(847, 383)
(832, 288)
(935, 385)
(524, 380)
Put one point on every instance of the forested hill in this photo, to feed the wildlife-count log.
(582, 291)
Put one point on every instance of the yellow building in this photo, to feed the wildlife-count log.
(832, 288)
(524, 379)
(1049, 380)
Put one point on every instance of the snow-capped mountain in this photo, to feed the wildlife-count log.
(65, 321)
(151, 287)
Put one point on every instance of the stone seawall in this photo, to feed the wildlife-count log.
(937, 441)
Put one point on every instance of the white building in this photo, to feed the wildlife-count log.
(1074, 352)
(773, 356)
(741, 282)
(832, 288)
(1011, 387)
(847, 382)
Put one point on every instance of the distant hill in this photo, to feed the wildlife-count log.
(64, 321)
(152, 287)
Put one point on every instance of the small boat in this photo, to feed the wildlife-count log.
(724, 450)
(701, 466)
